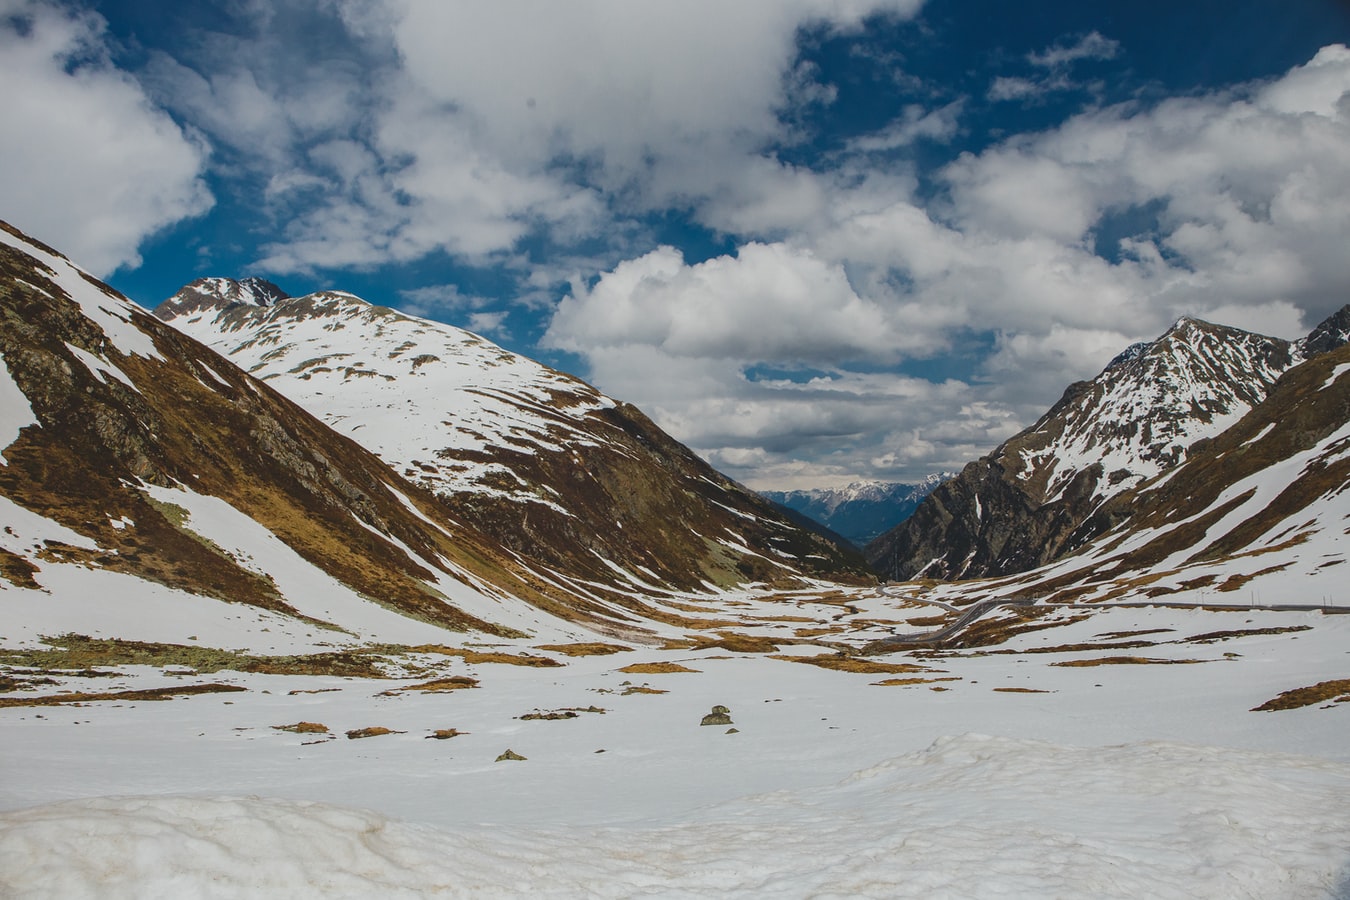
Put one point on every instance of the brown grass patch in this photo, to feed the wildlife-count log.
(436, 685)
(78, 651)
(1017, 620)
(1337, 691)
(1117, 635)
(855, 664)
(641, 689)
(477, 656)
(303, 728)
(738, 643)
(655, 668)
(592, 649)
(167, 693)
(901, 682)
(445, 734)
(1020, 690)
(818, 632)
(372, 731)
(1213, 636)
(1127, 661)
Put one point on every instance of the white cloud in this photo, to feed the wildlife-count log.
(914, 124)
(771, 303)
(1243, 200)
(490, 324)
(1055, 63)
(1090, 46)
(91, 164)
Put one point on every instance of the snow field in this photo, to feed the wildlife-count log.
(1118, 780)
(970, 816)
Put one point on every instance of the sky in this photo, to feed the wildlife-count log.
(816, 240)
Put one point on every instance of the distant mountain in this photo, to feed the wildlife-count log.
(1025, 504)
(863, 510)
(544, 463)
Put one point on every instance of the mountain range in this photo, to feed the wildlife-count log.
(1055, 486)
(863, 510)
(348, 467)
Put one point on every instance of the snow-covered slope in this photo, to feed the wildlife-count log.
(1258, 514)
(542, 461)
(1023, 505)
(151, 486)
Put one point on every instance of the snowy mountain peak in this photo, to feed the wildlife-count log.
(1022, 505)
(219, 293)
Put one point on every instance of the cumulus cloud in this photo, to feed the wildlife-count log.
(1238, 197)
(92, 164)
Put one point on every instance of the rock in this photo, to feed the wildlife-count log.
(720, 715)
(509, 754)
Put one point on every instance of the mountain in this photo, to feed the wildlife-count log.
(545, 464)
(142, 471)
(1023, 505)
(1255, 514)
(863, 510)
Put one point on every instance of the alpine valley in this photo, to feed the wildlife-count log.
(303, 596)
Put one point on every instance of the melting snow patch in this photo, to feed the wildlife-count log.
(1336, 373)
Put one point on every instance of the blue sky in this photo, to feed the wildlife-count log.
(817, 240)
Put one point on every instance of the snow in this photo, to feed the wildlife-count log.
(970, 816)
(99, 366)
(16, 413)
(314, 593)
(424, 396)
(1112, 781)
(1336, 373)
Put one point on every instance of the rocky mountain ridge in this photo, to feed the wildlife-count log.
(1256, 514)
(543, 462)
(1026, 503)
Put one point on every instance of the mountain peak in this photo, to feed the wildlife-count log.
(220, 293)
(1333, 332)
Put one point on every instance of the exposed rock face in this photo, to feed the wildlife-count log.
(1333, 333)
(1044, 492)
(542, 462)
